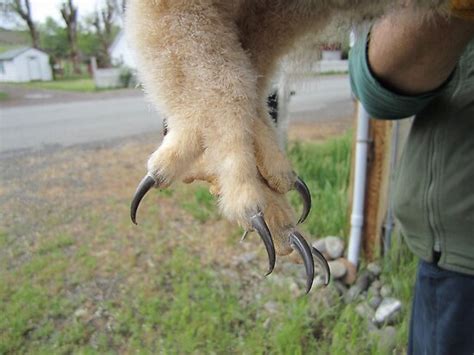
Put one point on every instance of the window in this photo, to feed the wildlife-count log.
(2, 67)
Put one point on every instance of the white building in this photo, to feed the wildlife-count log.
(120, 52)
(24, 64)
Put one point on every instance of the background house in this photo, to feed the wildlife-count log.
(24, 64)
(120, 52)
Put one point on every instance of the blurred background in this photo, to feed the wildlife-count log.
(77, 277)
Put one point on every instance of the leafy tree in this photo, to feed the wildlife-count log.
(53, 38)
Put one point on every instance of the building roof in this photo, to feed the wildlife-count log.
(15, 52)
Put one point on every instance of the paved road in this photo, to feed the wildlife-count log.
(321, 99)
(75, 122)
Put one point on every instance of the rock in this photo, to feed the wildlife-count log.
(363, 281)
(375, 301)
(80, 313)
(373, 295)
(320, 245)
(371, 327)
(334, 247)
(340, 287)
(360, 286)
(388, 311)
(271, 307)
(338, 269)
(386, 338)
(319, 280)
(364, 310)
(375, 269)
(351, 273)
(352, 294)
(377, 284)
(373, 291)
(385, 291)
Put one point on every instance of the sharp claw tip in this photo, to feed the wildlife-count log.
(303, 190)
(143, 187)
(259, 224)
(301, 245)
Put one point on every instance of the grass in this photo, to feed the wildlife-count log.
(200, 204)
(79, 85)
(3, 96)
(83, 280)
(326, 169)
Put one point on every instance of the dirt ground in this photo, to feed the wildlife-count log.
(37, 184)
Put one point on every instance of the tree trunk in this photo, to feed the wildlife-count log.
(103, 23)
(74, 54)
(69, 14)
(34, 34)
(24, 11)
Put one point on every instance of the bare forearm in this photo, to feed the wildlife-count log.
(413, 54)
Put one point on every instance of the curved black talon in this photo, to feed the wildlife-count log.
(299, 243)
(303, 190)
(324, 264)
(145, 185)
(259, 224)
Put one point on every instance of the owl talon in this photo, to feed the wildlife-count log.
(143, 187)
(259, 224)
(303, 190)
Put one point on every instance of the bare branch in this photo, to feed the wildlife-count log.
(23, 9)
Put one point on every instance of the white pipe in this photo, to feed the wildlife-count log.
(357, 215)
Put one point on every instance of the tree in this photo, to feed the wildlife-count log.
(69, 14)
(103, 22)
(53, 38)
(120, 5)
(23, 9)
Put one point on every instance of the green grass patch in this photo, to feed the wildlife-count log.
(3, 96)
(325, 167)
(79, 85)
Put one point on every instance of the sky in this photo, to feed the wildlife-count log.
(44, 8)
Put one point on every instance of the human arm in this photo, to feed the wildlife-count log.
(413, 54)
(401, 55)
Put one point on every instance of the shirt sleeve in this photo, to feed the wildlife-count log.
(379, 101)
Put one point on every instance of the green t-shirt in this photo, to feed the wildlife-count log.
(434, 188)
